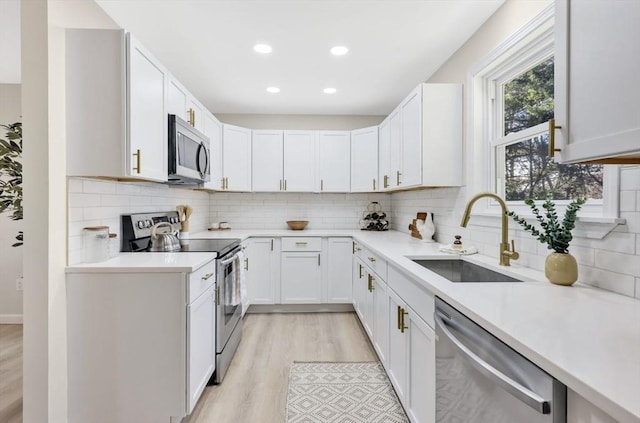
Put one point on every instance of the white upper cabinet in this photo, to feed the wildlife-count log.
(212, 129)
(116, 103)
(364, 160)
(236, 156)
(300, 152)
(411, 139)
(267, 161)
(334, 152)
(426, 138)
(597, 81)
(177, 99)
(181, 103)
(384, 160)
(395, 148)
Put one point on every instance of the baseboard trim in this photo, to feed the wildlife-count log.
(300, 308)
(10, 319)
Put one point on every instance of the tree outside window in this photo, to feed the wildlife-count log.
(528, 171)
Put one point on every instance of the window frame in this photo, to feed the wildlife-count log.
(531, 45)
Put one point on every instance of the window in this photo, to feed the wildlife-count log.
(523, 166)
(512, 99)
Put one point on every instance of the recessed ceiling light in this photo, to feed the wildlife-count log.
(273, 90)
(329, 91)
(262, 48)
(339, 50)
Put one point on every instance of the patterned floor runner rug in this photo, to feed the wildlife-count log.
(329, 392)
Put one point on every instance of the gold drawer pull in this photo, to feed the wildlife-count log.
(552, 137)
(301, 243)
(371, 259)
(207, 276)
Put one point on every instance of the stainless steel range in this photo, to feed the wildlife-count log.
(136, 237)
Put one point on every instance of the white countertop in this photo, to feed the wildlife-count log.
(587, 338)
(146, 263)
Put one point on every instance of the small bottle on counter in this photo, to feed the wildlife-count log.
(457, 244)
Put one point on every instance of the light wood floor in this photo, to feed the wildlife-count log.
(10, 373)
(255, 387)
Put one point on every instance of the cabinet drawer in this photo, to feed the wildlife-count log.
(374, 261)
(301, 244)
(416, 296)
(200, 280)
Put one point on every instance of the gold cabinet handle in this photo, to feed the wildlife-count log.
(399, 317)
(371, 259)
(207, 276)
(137, 154)
(374, 184)
(360, 270)
(301, 242)
(353, 247)
(318, 259)
(285, 184)
(271, 244)
(193, 117)
(246, 264)
(385, 181)
(402, 325)
(398, 174)
(321, 184)
(552, 137)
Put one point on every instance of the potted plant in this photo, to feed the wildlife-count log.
(560, 267)
(11, 174)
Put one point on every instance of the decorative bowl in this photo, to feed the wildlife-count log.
(297, 225)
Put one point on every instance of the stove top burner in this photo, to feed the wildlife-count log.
(136, 235)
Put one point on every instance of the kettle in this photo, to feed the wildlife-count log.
(165, 241)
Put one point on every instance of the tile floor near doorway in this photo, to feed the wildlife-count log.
(255, 387)
(10, 373)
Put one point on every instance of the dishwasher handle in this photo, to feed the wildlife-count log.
(522, 393)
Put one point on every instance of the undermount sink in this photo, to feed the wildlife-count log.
(463, 271)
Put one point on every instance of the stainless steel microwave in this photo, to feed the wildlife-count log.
(189, 154)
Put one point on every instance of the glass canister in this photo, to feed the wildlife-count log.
(95, 240)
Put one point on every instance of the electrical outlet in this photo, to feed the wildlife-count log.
(19, 284)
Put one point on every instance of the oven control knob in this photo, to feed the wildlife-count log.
(172, 220)
(141, 224)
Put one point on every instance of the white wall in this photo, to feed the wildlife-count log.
(316, 122)
(610, 263)
(272, 210)
(10, 257)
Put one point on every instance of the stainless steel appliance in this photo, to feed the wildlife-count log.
(189, 154)
(136, 237)
(480, 379)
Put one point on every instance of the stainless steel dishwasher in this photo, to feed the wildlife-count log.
(479, 379)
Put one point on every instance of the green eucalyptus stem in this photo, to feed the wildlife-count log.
(556, 234)
(11, 174)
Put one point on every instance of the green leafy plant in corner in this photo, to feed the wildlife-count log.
(11, 175)
(555, 233)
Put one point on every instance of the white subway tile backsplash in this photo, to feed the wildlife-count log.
(627, 201)
(84, 200)
(75, 185)
(98, 187)
(612, 263)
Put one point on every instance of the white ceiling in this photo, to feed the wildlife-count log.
(394, 45)
(207, 45)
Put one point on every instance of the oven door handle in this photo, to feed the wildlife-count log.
(522, 393)
(228, 261)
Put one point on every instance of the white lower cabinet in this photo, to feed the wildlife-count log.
(380, 319)
(580, 410)
(397, 359)
(338, 275)
(141, 346)
(201, 347)
(262, 266)
(420, 400)
(301, 271)
(301, 278)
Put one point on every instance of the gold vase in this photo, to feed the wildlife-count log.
(561, 269)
